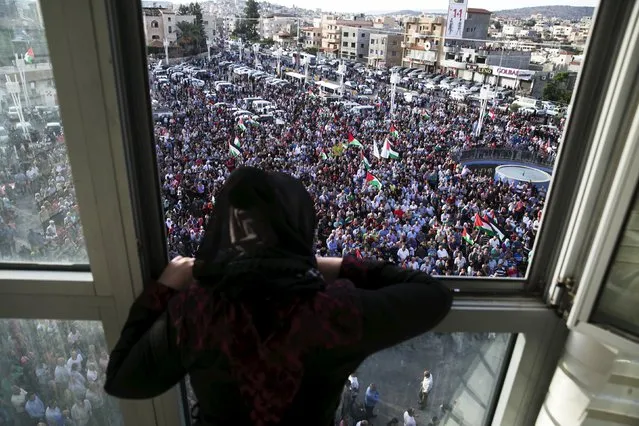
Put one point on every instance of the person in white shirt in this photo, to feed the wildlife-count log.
(409, 417)
(362, 423)
(81, 412)
(427, 386)
(61, 374)
(403, 253)
(75, 358)
(354, 383)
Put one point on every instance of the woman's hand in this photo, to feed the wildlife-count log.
(178, 274)
(329, 267)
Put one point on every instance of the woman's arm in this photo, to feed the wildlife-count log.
(368, 274)
(146, 361)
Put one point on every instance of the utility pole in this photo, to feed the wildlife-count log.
(165, 43)
(341, 70)
(394, 79)
(297, 41)
(256, 51)
(241, 48)
(307, 60)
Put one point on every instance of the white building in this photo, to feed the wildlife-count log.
(161, 24)
(272, 25)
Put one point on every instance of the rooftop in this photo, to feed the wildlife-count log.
(479, 11)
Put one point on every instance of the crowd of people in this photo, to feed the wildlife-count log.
(426, 200)
(36, 179)
(51, 374)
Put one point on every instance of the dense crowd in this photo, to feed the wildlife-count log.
(51, 374)
(426, 200)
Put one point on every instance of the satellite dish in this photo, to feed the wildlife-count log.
(427, 45)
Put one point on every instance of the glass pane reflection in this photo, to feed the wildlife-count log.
(53, 371)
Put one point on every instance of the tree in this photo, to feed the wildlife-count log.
(190, 37)
(196, 10)
(311, 50)
(246, 26)
(496, 24)
(530, 23)
(557, 89)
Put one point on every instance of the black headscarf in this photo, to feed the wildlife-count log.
(260, 299)
(261, 237)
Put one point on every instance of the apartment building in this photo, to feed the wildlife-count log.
(272, 25)
(354, 43)
(161, 24)
(331, 31)
(423, 42)
(312, 37)
(385, 50)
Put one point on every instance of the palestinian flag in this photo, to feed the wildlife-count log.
(466, 237)
(323, 156)
(376, 151)
(393, 131)
(29, 56)
(234, 151)
(236, 142)
(493, 225)
(354, 142)
(425, 115)
(373, 181)
(492, 114)
(253, 123)
(241, 126)
(483, 225)
(388, 152)
(367, 164)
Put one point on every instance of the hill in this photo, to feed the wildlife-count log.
(573, 13)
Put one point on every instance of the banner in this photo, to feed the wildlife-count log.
(455, 19)
(513, 73)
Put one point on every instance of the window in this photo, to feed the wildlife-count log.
(39, 215)
(154, 24)
(352, 44)
(354, 34)
(156, 37)
(345, 44)
(169, 19)
(170, 29)
(394, 53)
(361, 45)
(205, 22)
(345, 33)
(371, 51)
(54, 370)
(360, 56)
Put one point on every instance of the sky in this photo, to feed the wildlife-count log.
(393, 5)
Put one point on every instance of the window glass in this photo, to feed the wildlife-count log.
(53, 371)
(617, 303)
(452, 183)
(39, 217)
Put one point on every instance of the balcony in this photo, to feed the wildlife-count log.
(451, 49)
(427, 46)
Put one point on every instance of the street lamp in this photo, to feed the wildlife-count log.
(165, 43)
(341, 70)
(278, 55)
(256, 50)
(394, 79)
(209, 43)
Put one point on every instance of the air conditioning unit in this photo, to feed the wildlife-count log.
(427, 45)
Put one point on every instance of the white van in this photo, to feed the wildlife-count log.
(530, 104)
(25, 125)
(260, 106)
(247, 103)
(196, 82)
(53, 126)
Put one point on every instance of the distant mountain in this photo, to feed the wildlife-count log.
(403, 12)
(573, 13)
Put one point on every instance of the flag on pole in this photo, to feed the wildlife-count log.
(236, 142)
(492, 114)
(373, 181)
(388, 152)
(353, 142)
(29, 56)
(466, 237)
(241, 126)
(376, 151)
(495, 228)
(367, 163)
(234, 151)
(483, 225)
(393, 131)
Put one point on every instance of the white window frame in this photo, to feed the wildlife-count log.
(80, 43)
(605, 195)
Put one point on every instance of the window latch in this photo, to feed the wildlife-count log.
(563, 296)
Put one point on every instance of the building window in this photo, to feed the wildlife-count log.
(360, 56)
(394, 53)
(154, 24)
(361, 45)
(354, 35)
(155, 37)
(436, 42)
(352, 44)
(205, 22)
(170, 29)
(345, 44)
(371, 51)
(169, 18)
(383, 41)
(345, 34)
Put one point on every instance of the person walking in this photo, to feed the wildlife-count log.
(370, 400)
(424, 391)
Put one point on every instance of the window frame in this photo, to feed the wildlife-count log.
(123, 98)
(597, 221)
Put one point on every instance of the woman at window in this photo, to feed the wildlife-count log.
(265, 322)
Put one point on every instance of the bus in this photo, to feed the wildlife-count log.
(328, 89)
